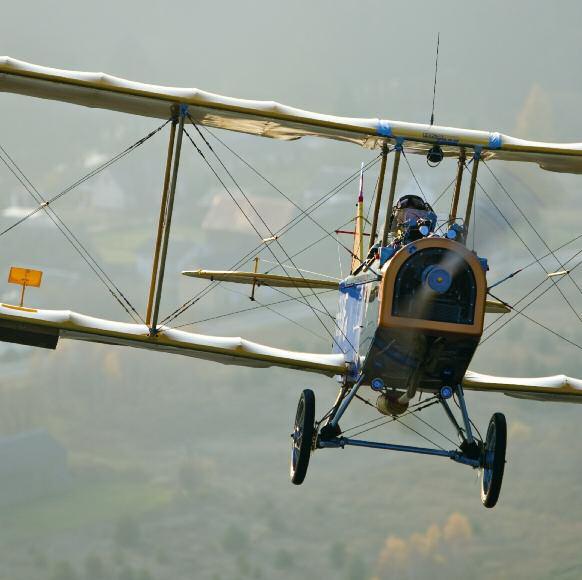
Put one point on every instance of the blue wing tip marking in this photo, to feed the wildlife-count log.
(494, 140)
(384, 129)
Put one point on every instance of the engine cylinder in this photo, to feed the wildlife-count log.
(388, 404)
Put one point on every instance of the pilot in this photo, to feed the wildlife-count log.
(410, 213)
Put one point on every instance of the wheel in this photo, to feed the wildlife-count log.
(493, 460)
(302, 436)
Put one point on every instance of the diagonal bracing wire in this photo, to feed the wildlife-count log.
(303, 212)
(285, 229)
(506, 322)
(79, 247)
(530, 292)
(520, 238)
(319, 240)
(256, 230)
(334, 278)
(420, 434)
(414, 176)
(532, 320)
(119, 297)
(312, 292)
(561, 247)
(528, 221)
(242, 310)
(381, 421)
(262, 220)
(527, 295)
(290, 225)
(280, 314)
(45, 203)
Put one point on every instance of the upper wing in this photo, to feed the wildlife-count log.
(271, 119)
(44, 328)
(559, 388)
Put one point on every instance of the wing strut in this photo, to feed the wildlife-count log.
(379, 190)
(474, 169)
(165, 221)
(458, 182)
(391, 194)
(163, 205)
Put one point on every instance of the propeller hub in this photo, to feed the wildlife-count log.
(437, 279)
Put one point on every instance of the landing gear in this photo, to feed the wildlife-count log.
(493, 460)
(487, 456)
(302, 436)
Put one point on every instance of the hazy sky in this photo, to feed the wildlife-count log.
(504, 66)
(355, 58)
(509, 66)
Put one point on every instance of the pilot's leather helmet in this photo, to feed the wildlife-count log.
(413, 202)
(409, 209)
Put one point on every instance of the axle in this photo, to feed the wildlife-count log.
(341, 442)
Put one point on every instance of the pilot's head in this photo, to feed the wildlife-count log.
(409, 214)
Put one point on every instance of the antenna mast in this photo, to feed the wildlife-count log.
(436, 68)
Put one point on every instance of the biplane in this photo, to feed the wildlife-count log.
(411, 311)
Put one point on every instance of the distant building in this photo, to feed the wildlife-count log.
(32, 464)
(105, 192)
(224, 216)
(229, 233)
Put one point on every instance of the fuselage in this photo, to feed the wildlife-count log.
(412, 318)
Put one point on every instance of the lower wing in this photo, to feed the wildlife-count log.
(44, 328)
(558, 388)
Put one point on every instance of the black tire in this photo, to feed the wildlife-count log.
(493, 460)
(302, 436)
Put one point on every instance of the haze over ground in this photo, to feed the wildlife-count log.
(179, 467)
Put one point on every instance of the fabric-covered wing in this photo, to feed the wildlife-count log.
(259, 279)
(44, 328)
(271, 119)
(558, 388)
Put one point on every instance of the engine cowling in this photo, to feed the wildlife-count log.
(430, 318)
(434, 284)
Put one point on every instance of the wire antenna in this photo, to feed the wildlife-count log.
(436, 69)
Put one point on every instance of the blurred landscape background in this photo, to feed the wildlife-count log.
(131, 465)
